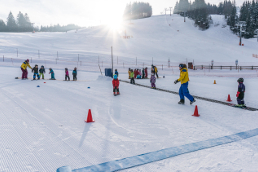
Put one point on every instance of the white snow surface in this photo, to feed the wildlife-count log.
(43, 128)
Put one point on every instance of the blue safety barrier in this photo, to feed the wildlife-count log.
(146, 158)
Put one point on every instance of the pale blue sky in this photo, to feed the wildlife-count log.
(81, 12)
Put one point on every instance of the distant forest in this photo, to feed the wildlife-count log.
(137, 10)
(199, 11)
(23, 24)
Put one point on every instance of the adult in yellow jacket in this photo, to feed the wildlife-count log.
(24, 66)
(183, 91)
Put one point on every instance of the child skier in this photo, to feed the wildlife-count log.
(115, 83)
(143, 73)
(129, 73)
(41, 72)
(152, 81)
(52, 74)
(240, 93)
(67, 74)
(146, 72)
(132, 77)
(36, 72)
(75, 74)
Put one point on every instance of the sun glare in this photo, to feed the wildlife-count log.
(115, 25)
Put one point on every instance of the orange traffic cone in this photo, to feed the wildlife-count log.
(196, 112)
(229, 99)
(89, 118)
(214, 82)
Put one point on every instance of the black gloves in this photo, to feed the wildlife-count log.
(176, 81)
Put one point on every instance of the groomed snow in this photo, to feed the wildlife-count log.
(43, 128)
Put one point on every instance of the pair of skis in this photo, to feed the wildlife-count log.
(116, 94)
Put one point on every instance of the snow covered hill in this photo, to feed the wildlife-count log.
(161, 37)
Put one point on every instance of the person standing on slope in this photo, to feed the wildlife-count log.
(183, 91)
(67, 74)
(115, 84)
(42, 71)
(146, 72)
(75, 74)
(24, 66)
(240, 93)
(132, 77)
(152, 81)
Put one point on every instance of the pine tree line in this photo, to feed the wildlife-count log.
(196, 11)
(23, 24)
(199, 12)
(137, 10)
(249, 14)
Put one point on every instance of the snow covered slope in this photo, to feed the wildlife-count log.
(161, 37)
(43, 128)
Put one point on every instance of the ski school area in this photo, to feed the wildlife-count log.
(52, 125)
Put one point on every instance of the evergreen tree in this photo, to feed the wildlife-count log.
(2, 26)
(137, 10)
(11, 24)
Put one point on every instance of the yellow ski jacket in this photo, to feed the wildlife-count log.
(25, 65)
(184, 78)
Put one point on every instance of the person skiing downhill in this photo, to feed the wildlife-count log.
(152, 81)
(183, 91)
(41, 72)
(24, 66)
(36, 72)
(115, 84)
(240, 93)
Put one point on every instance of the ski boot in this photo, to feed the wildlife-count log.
(191, 102)
(182, 101)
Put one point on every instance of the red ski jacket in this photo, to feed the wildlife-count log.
(115, 83)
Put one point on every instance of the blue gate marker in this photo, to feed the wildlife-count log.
(146, 158)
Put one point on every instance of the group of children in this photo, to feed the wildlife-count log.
(40, 72)
(115, 82)
(138, 73)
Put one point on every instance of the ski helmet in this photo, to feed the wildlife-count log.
(181, 65)
(240, 80)
(115, 76)
(28, 60)
(42, 66)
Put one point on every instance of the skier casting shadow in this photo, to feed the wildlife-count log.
(183, 90)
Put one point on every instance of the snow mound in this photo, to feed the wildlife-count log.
(104, 78)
